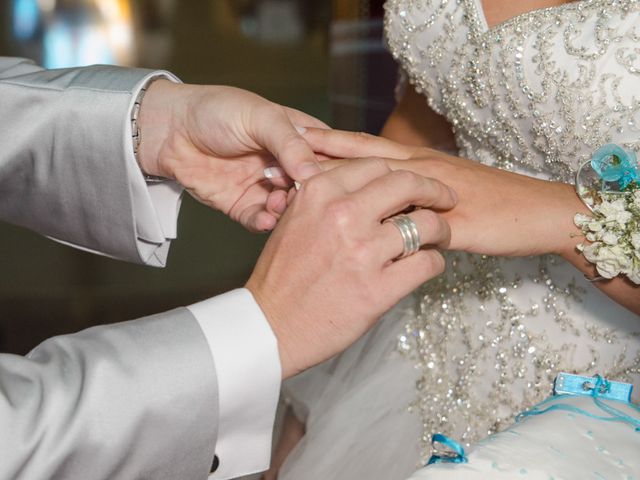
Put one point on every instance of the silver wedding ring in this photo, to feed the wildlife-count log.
(410, 235)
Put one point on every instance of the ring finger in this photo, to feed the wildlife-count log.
(432, 230)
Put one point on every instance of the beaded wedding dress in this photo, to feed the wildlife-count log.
(471, 349)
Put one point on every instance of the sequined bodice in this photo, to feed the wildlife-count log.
(540, 91)
(536, 94)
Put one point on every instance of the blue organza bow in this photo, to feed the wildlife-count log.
(613, 163)
(598, 388)
(454, 455)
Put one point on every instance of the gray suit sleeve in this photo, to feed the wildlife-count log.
(64, 153)
(135, 400)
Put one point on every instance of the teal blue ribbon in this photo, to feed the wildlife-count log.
(456, 452)
(600, 387)
(613, 163)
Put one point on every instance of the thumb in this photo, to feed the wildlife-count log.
(284, 141)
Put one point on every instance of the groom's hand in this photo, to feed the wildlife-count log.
(327, 272)
(216, 142)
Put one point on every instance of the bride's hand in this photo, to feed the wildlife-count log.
(498, 213)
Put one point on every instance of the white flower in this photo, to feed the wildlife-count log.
(590, 252)
(634, 275)
(595, 226)
(614, 235)
(581, 219)
(610, 238)
(624, 257)
(611, 261)
(615, 211)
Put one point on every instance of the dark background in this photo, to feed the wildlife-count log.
(313, 55)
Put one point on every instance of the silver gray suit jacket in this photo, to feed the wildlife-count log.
(136, 400)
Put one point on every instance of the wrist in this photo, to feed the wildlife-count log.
(570, 233)
(157, 122)
(274, 319)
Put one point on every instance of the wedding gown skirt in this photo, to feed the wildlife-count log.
(461, 357)
(561, 444)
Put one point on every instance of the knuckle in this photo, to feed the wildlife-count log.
(408, 178)
(341, 213)
(437, 190)
(314, 187)
(361, 253)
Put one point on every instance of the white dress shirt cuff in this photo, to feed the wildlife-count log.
(245, 354)
(155, 205)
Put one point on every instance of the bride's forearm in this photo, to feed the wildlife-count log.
(619, 288)
(507, 214)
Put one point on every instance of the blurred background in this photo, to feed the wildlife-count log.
(315, 55)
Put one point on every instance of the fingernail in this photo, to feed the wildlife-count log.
(300, 130)
(307, 170)
(454, 194)
(273, 172)
(297, 185)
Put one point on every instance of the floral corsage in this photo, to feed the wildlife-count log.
(609, 185)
